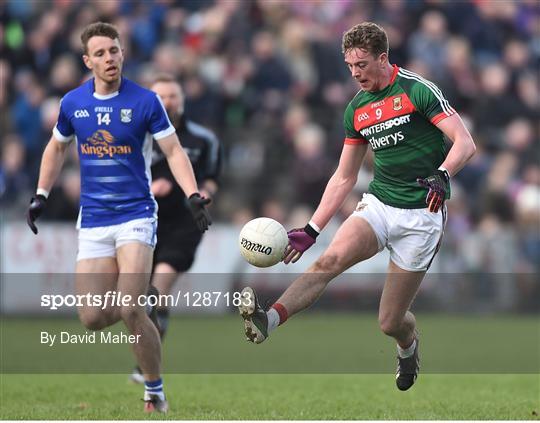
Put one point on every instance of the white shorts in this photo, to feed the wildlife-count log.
(413, 236)
(104, 240)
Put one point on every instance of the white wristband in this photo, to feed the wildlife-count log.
(444, 170)
(41, 191)
(314, 226)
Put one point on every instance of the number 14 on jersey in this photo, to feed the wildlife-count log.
(103, 118)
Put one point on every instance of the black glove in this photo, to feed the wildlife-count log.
(438, 186)
(200, 214)
(37, 205)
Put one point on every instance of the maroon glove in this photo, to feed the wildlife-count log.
(437, 186)
(300, 240)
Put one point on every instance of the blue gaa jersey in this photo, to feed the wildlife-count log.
(114, 140)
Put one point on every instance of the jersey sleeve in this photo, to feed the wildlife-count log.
(352, 136)
(63, 130)
(159, 124)
(430, 101)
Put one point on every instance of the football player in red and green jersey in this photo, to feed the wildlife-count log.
(403, 118)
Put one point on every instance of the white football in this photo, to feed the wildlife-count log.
(263, 241)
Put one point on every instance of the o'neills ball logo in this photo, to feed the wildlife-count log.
(100, 144)
(255, 247)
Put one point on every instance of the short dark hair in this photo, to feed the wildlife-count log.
(98, 29)
(367, 36)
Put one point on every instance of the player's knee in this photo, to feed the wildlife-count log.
(130, 315)
(328, 263)
(389, 325)
(93, 320)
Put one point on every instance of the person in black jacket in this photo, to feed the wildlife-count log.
(177, 233)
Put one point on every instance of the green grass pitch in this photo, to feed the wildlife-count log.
(318, 366)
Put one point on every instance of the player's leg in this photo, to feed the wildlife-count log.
(135, 264)
(174, 255)
(354, 242)
(399, 290)
(164, 278)
(397, 321)
(413, 241)
(97, 276)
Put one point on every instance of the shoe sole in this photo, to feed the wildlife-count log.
(246, 310)
(154, 409)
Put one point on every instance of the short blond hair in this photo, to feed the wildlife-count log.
(164, 77)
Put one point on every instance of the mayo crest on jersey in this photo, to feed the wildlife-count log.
(398, 122)
(114, 139)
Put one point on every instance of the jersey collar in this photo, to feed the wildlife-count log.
(106, 96)
(394, 74)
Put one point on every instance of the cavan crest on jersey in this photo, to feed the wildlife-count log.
(114, 140)
(399, 122)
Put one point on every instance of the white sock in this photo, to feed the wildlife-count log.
(273, 319)
(161, 395)
(405, 353)
(154, 388)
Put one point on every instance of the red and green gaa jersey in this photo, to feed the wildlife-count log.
(399, 124)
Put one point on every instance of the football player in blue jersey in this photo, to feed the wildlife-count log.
(114, 121)
(178, 237)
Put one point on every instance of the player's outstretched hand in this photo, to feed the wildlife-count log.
(300, 240)
(37, 205)
(437, 186)
(200, 214)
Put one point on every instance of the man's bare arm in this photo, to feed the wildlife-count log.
(51, 164)
(463, 147)
(179, 164)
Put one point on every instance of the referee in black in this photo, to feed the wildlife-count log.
(178, 236)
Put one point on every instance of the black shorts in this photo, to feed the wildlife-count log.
(176, 245)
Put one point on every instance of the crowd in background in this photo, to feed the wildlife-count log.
(269, 78)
